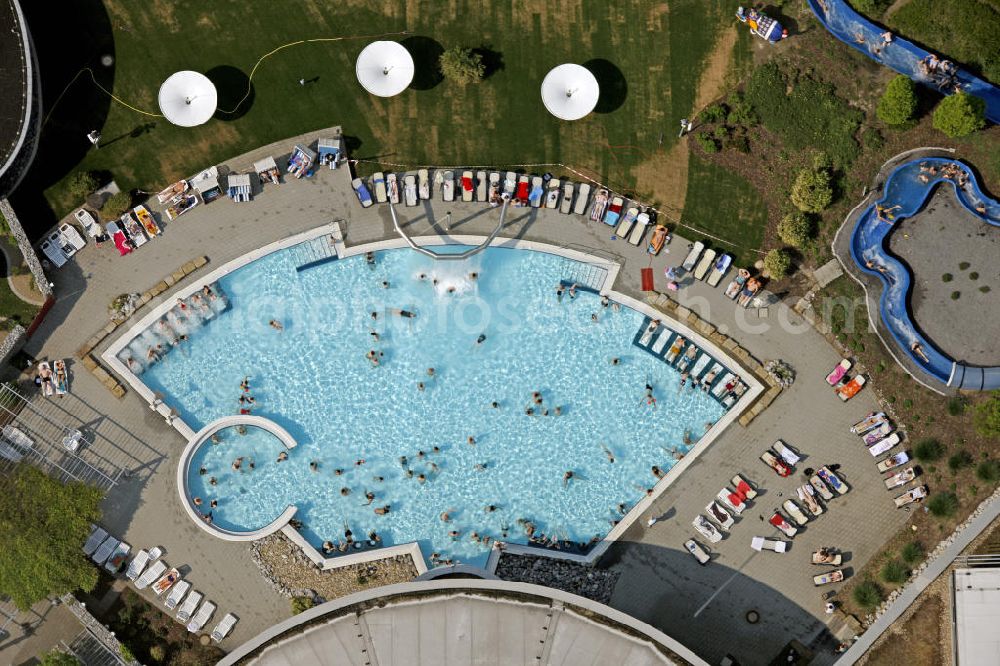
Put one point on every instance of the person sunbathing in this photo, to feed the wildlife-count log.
(917, 349)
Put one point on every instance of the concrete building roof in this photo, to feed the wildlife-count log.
(977, 616)
(446, 622)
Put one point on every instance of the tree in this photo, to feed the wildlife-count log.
(461, 65)
(81, 184)
(796, 229)
(898, 102)
(300, 604)
(57, 658)
(44, 525)
(960, 114)
(811, 192)
(778, 263)
(987, 416)
(116, 205)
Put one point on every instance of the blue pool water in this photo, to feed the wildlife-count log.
(313, 379)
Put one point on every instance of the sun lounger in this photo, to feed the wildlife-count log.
(181, 205)
(378, 184)
(838, 373)
(625, 225)
(89, 222)
(121, 241)
(176, 594)
(521, 195)
(201, 618)
(468, 188)
(726, 384)
(639, 230)
(910, 496)
(734, 394)
(104, 551)
(582, 195)
(719, 515)
(18, 437)
(118, 556)
(647, 334)
(743, 487)
(364, 197)
(510, 183)
(137, 564)
(133, 229)
(707, 529)
(851, 388)
(710, 376)
(894, 461)
(552, 194)
(447, 182)
(661, 341)
(820, 487)
(424, 184)
(61, 379)
(697, 551)
(736, 286)
(689, 355)
(600, 205)
(876, 434)
(155, 570)
(692, 257)
(883, 445)
(614, 211)
(832, 480)
(827, 578)
(706, 262)
(186, 610)
(566, 205)
(720, 269)
(537, 192)
(48, 379)
(225, 625)
(146, 220)
(178, 188)
(786, 528)
(410, 190)
(825, 556)
(658, 240)
(732, 501)
(675, 349)
(165, 581)
(761, 544)
(777, 465)
(493, 190)
(749, 291)
(787, 454)
(94, 541)
(807, 495)
(392, 184)
(873, 420)
(481, 190)
(901, 478)
(696, 371)
(793, 510)
(8, 452)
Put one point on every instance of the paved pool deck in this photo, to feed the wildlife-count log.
(660, 584)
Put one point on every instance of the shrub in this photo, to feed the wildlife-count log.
(894, 572)
(460, 65)
(984, 289)
(796, 229)
(713, 114)
(943, 505)
(739, 142)
(912, 552)
(988, 471)
(126, 652)
(872, 139)
(778, 263)
(707, 143)
(58, 658)
(116, 205)
(300, 604)
(811, 191)
(947, 277)
(928, 450)
(973, 275)
(867, 594)
(157, 653)
(958, 461)
(721, 132)
(960, 114)
(955, 295)
(740, 111)
(963, 265)
(956, 406)
(81, 184)
(898, 102)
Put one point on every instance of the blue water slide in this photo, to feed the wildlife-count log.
(848, 26)
(906, 192)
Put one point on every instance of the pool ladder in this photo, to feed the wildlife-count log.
(317, 251)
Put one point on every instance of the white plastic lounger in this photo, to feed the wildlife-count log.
(225, 625)
(480, 196)
(137, 564)
(689, 355)
(832, 480)
(806, 494)
(697, 551)
(639, 230)
(731, 501)
(536, 195)
(425, 184)
(186, 610)
(711, 375)
(493, 191)
(873, 420)
(567, 199)
(166, 581)
(582, 195)
(96, 538)
(707, 529)
(704, 264)
(410, 190)
(447, 181)
(914, 495)
(786, 453)
(883, 445)
(743, 487)
(118, 556)
(202, 618)
(152, 573)
(647, 334)
(675, 349)
(661, 341)
(176, 594)
(793, 510)
(18, 437)
(510, 183)
(104, 551)
(699, 366)
(625, 226)
(901, 478)
(468, 186)
(378, 184)
(719, 270)
(392, 183)
(820, 487)
(693, 255)
(876, 434)
(761, 544)
(719, 515)
(720, 387)
(827, 578)
(552, 193)
(893, 461)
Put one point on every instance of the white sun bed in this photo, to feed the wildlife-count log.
(18, 437)
(137, 564)
(425, 184)
(743, 486)
(832, 480)
(901, 478)
(186, 610)
(787, 454)
(495, 188)
(582, 195)
(793, 510)
(567, 199)
(552, 193)
(378, 184)
(628, 219)
(676, 348)
(719, 515)
(647, 335)
(820, 487)
(96, 538)
(536, 186)
(692, 257)
(703, 361)
(104, 551)
(706, 262)
(447, 181)
(410, 190)
(876, 434)
(807, 494)
(883, 445)
(149, 575)
(392, 184)
(480, 196)
(719, 270)
(761, 544)
(661, 341)
(510, 183)
(731, 501)
(697, 551)
(467, 192)
(117, 558)
(176, 594)
(720, 387)
(166, 581)
(707, 529)
(202, 617)
(913, 495)
(639, 230)
(225, 625)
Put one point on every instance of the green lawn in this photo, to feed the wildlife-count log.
(647, 57)
(725, 205)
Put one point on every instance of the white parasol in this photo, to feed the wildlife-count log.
(570, 92)
(187, 99)
(384, 68)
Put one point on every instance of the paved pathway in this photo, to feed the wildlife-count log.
(659, 583)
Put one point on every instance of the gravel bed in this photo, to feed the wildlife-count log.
(586, 581)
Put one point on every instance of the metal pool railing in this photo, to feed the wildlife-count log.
(446, 256)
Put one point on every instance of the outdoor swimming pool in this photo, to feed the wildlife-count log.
(313, 378)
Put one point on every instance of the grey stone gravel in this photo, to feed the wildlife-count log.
(586, 581)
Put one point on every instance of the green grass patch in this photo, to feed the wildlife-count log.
(967, 31)
(13, 310)
(810, 116)
(723, 204)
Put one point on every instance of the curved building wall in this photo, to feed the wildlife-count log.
(20, 123)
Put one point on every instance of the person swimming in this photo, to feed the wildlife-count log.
(481, 339)
(276, 325)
